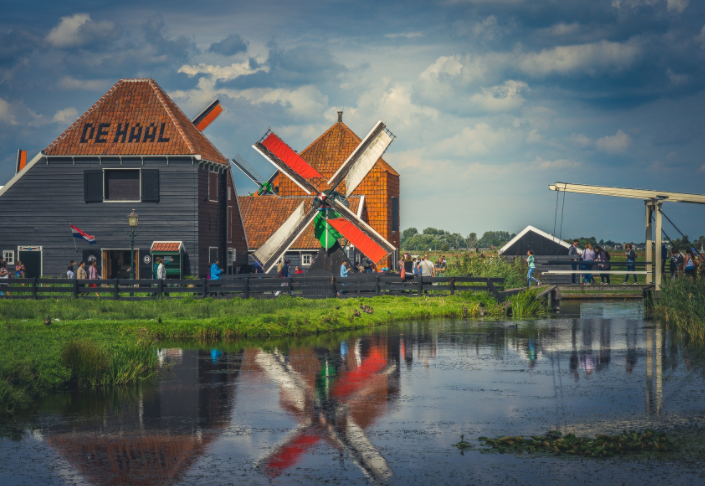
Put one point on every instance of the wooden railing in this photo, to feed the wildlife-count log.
(251, 286)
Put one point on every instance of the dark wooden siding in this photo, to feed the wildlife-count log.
(236, 227)
(38, 208)
(540, 244)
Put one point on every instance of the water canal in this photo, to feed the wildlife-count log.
(379, 406)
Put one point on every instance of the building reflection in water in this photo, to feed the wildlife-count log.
(150, 435)
(335, 395)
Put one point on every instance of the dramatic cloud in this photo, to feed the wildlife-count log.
(79, 31)
(489, 99)
(231, 45)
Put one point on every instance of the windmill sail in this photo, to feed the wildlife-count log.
(269, 253)
(294, 172)
(363, 159)
(244, 166)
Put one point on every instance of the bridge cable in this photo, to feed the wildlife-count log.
(690, 245)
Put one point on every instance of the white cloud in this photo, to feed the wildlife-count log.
(542, 164)
(672, 5)
(581, 140)
(66, 116)
(449, 65)
(615, 143)
(500, 98)
(701, 37)
(79, 30)
(70, 83)
(221, 72)
(677, 5)
(584, 58)
(473, 141)
(561, 29)
(6, 113)
(408, 35)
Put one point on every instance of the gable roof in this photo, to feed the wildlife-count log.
(136, 117)
(328, 152)
(263, 215)
(528, 229)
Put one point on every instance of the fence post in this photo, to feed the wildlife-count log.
(247, 287)
(204, 284)
(116, 292)
(452, 286)
(75, 288)
(290, 284)
(34, 288)
(160, 288)
(377, 289)
(420, 285)
(333, 286)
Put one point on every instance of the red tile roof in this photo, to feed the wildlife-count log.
(328, 152)
(136, 117)
(263, 215)
(166, 246)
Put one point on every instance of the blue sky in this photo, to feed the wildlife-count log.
(491, 100)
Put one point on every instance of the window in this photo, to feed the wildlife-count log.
(118, 185)
(305, 259)
(395, 214)
(213, 186)
(9, 257)
(229, 196)
(122, 185)
(230, 225)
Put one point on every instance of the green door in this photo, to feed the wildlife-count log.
(32, 261)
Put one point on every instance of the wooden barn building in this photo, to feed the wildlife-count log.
(546, 248)
(133, 149)
(377, 196)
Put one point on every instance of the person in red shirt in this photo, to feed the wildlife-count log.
(298, 271)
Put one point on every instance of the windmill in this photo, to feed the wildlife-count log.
(326, 412)
(330, 210)
(265, 187)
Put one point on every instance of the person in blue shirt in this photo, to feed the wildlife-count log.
(216, 271)
(344, 274)
(258, 267)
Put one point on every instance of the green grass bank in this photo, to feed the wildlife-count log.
(99, 342)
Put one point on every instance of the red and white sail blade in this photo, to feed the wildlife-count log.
(364, 234)
(287, 161)
(363, 159)
(274, 248)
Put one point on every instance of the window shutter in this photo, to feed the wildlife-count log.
(395, 214)
(93, 186)
(150, 185)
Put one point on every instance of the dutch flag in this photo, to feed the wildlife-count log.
(77, 233)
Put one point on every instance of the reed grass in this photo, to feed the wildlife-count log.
(682, 303)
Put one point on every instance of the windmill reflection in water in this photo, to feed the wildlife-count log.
(334, 397)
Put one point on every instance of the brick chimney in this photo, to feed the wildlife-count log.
(340, 117)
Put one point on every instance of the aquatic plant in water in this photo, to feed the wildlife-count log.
(601, 445)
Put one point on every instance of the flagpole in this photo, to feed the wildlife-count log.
(74, 239)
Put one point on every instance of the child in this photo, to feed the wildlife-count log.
(532, 268)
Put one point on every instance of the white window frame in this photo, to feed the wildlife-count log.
(123, 201)
(304, 257)
(40, 249)
(10, 254)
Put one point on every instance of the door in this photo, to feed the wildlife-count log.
(32, 261)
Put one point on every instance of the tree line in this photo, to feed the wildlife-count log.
(438, 239)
